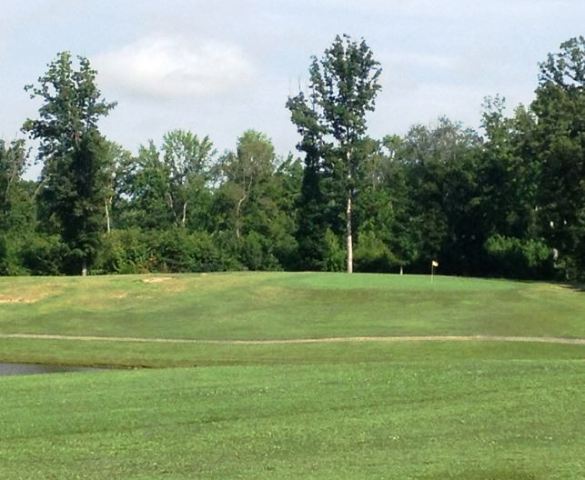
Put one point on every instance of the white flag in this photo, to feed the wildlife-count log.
(435, 263)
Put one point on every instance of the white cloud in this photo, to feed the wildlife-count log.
(167, 67)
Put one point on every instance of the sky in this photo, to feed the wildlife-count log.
(220, 67)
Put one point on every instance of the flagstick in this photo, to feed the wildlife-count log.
(432, 272)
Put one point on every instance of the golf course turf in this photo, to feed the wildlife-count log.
(371, 408)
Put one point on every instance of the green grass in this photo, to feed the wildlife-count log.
(356, 410)
(288, 305)
(440, 420)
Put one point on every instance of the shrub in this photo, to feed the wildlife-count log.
(177, 250)
(43, 254)
(255, 253)
(334, 254)
(514, 257)
(373, 255)
(124, 251)
(6, 259)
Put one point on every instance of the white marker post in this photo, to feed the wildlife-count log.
(434, 264)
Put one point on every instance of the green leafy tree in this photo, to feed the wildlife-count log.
(246, 174)
(118, 161)
(402, 239)
(13, 162)
(381, 214)
(311, 207)
(343, 86)
(560, 144)
(16, 206)
(508, 172)
(168, 186)
(72, 105)
(72, 151)
(441, 165)
(286, 185)
(188, 160)
(145, 189)
(77, 200)
(254, 204)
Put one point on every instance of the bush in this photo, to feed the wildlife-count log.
(372, 255)
(7, 260)
(255, 253)
(170, 251)
(334, 254)
(124, 251)
(43, 254)
(513, 257)
(177, 250)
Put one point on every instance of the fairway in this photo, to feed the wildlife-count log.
(293, 375)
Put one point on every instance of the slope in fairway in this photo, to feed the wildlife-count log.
(287, 305)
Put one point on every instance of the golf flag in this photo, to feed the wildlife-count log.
(435, 263)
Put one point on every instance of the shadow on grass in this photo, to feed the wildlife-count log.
(485, 475)
(576, 287)
(569, 285)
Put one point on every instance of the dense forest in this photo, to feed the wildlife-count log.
(505, 200)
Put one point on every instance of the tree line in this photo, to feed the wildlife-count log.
(506, 200)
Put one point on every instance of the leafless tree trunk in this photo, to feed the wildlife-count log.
(171, 204)
(108, 202)
(184, 217)
(239, 206)
(238, 210)
(348, 226)
(349, 234)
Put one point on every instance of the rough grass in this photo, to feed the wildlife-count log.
(445, 410)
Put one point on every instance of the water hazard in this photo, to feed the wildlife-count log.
(32, 369)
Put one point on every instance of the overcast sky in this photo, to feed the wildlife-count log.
(221, 67)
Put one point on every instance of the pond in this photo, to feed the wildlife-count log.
(32, 369)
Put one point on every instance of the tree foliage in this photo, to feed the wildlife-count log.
(72, 152)
(507, 199)
(560, 149)
(343, 85)
(188, 161)
(72, 105)
(13, 162)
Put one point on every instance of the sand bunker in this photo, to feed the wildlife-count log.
(7, 299)
(156, 279)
